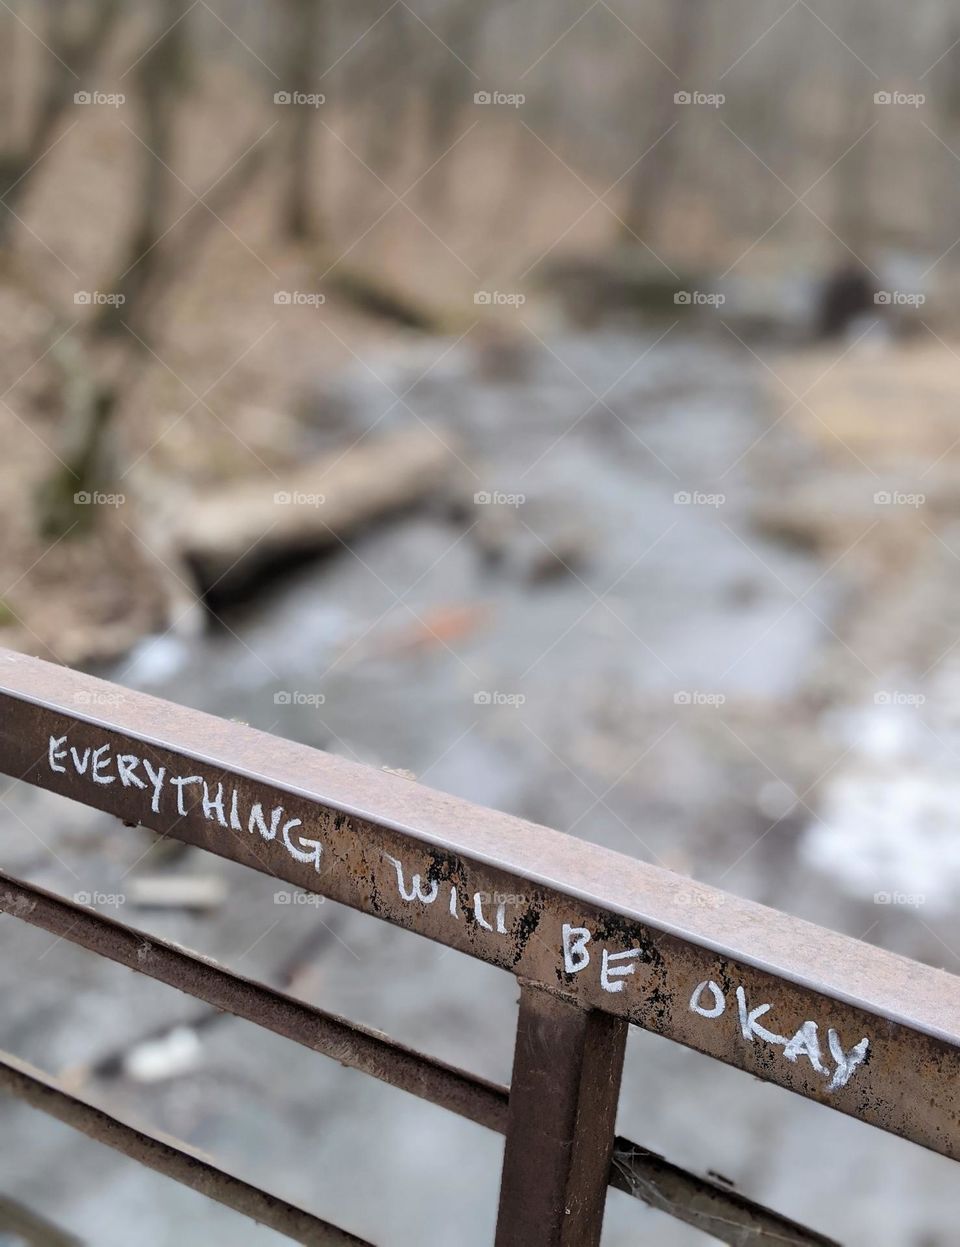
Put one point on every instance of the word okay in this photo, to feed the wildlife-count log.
(709, 1001)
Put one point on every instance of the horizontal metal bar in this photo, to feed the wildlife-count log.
(353, 1045)
(715, 1210)
(726, 1215)
(169, 1157)
(20, 1224)
(853, 1027)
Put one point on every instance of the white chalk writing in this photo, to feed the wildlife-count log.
(805, 1042)
(102, 767)
(416, 891)
(708, 1000)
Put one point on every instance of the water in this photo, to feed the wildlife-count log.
(623, 655)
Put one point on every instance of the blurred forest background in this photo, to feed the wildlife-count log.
(157, 196)
(557, 402)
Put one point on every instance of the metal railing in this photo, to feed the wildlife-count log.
(598, 942)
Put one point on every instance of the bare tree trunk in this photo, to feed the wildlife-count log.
(450, 91)
(91, 392)
(854, 210)
(73, 56)
(386, 90)
(304, 36)
(160, 78)
(648, 186)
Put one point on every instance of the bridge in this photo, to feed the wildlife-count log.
(598, 942)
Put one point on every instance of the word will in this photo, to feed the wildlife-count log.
(426, 895)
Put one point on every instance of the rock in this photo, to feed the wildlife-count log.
(590, 288)
(533, 540)
(833, 511)
(242, 530)
(502, 355)
(194, 892)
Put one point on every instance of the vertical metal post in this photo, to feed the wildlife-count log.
(560, 1124)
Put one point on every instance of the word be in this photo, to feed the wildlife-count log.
(576, 957)
(102, 767)
(709, 1001)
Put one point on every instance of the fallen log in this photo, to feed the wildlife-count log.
(251, 528)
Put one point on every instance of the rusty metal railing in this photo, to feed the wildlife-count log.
(598, 941)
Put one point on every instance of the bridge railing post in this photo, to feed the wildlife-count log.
(560, 1124)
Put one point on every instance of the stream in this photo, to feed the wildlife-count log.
(599, 638)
